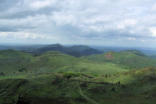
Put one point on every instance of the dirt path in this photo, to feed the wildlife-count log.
(85, 96)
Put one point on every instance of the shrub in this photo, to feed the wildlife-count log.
(68, 75)
(2, 74)
(22, 69)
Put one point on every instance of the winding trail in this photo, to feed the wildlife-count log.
(92, 101)
(86, 97)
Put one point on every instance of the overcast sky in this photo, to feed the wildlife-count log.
(91, 22)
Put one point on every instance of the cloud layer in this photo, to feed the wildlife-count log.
(93, 22)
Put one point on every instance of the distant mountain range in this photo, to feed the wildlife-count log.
(145, 50)
(76, 50)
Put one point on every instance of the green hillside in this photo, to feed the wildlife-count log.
(128, 59)
(14, 62)
(57, 78)
(11, 60)
(80, 89)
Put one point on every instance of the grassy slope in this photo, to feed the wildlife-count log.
(13, 61)
(128, 59)
(59, 89)
(62, 79)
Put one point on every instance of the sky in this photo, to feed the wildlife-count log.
(90, 22)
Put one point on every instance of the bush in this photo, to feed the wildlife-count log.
(22, 69)
(68, 75)
(2, 74)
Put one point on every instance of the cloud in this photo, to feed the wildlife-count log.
(41, 4)
(153, 31)
(127, 23)
(22, 35)
(79, 21)
(131, 38)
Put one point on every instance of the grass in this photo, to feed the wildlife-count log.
(124, 77)
(127, 59)
(100, 68)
